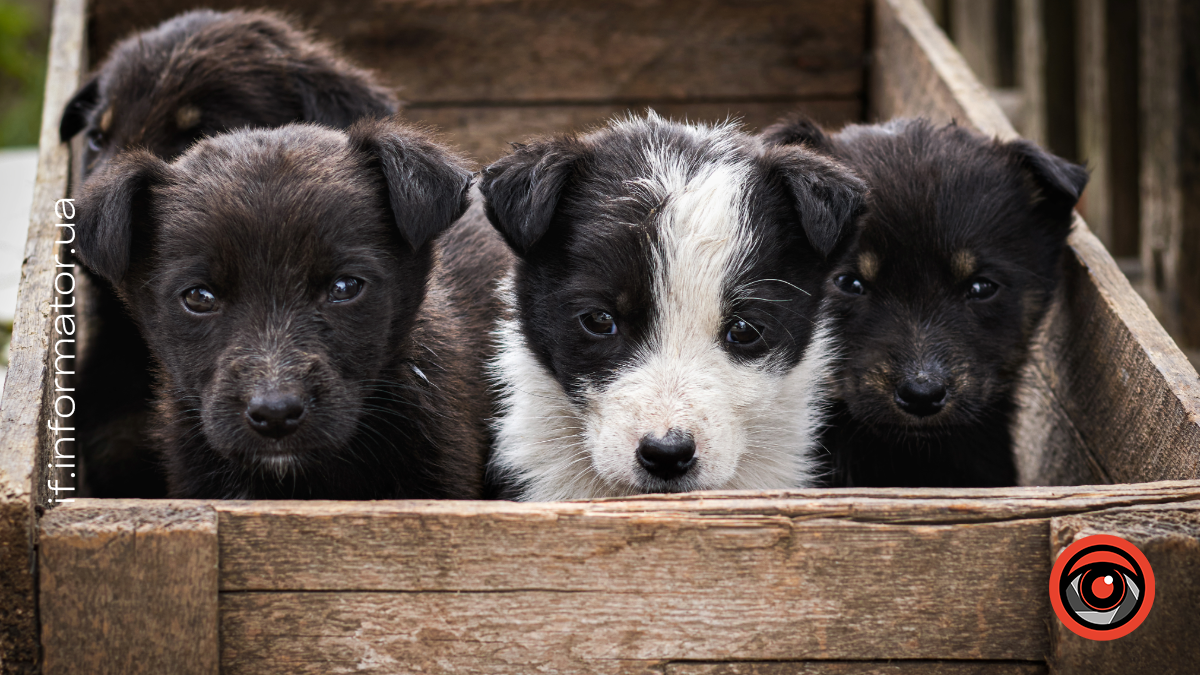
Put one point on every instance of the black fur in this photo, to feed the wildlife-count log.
(943, 201)
(562, 204)
(585, 215)
(198, 74)
(268, 220)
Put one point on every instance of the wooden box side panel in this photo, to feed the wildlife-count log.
(29, 385)
(1108, 395)
(490, 72)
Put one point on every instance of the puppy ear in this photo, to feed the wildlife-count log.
(797, 129)
(111, 204)
(521, 190)
(1061, 182)
(74, 117)
(427, 184)
(828, 198)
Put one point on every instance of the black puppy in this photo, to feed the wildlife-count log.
(279, 278)
(205, 72)
(957, 258)
(161, 90)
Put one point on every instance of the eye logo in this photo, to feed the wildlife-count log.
(1101, 587)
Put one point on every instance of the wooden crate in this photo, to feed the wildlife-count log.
(822, 582)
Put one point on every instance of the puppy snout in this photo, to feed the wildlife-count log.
(275, 414)
(667, 457)
(923, 395)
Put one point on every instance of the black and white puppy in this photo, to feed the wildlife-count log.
(161, 90)
(280, 279)
(664, 333)
(956, 261)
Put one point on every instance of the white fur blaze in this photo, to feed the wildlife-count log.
(754, 423)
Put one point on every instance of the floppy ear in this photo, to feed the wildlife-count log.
(521, 190)
(427, 184)
(797, 129)
(828, 198)
(111, 203)
(74, 117)
(1061, 182)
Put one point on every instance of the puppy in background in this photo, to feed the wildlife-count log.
(279, 279)
(956, 260)
(663, 331)
(162, 90)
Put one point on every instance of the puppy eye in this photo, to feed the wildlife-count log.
(95, 141)
(200, 300)
(982, 289)
(599, 323)
(848, 283)
(345, 288)
(743, 333)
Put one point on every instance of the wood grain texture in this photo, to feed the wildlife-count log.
(1031, 67)
(485, 132)
(490, 592)
(1094, 119)
(26, 390)
(131, 590)
(1169, 103)
(859, 668)
(1168, 641)
(1103, 348)
(466, 51)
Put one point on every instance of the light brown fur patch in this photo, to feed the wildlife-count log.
(868, 265)
(963, 263)
(106, 120)
(187, 117)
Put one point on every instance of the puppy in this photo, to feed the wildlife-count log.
(161, 90)
(204, 72)
(279, 278)
(663, 330)
(956, 260)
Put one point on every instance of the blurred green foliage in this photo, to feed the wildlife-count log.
(23, 44)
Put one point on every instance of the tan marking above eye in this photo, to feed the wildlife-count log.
(187, 117)
(963, 263)
(868, 265)
(106, 120)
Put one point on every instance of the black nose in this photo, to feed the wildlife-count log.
(921, 397)
(276, 414)
(668, 457)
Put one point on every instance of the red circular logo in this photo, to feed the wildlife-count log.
(1101, 587)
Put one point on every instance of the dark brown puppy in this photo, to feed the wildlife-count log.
(161, 90)
(205, 72)
(956, 260)
(279, 278)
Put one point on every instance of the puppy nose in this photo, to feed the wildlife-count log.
(276, 414)
(921, 397)
(668, 457)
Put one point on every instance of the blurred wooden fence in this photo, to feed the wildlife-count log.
(1115, 84)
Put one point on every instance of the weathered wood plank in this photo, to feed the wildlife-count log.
(484, 132)
(917, 73)
(1031, 66)
(576, 591)
(859, 668)
(465, 51)
(130, 590)
(973, 25)
(23, 410)
(1169, 639)
(1094, 119)
(1170, 179)
(1102, 348)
